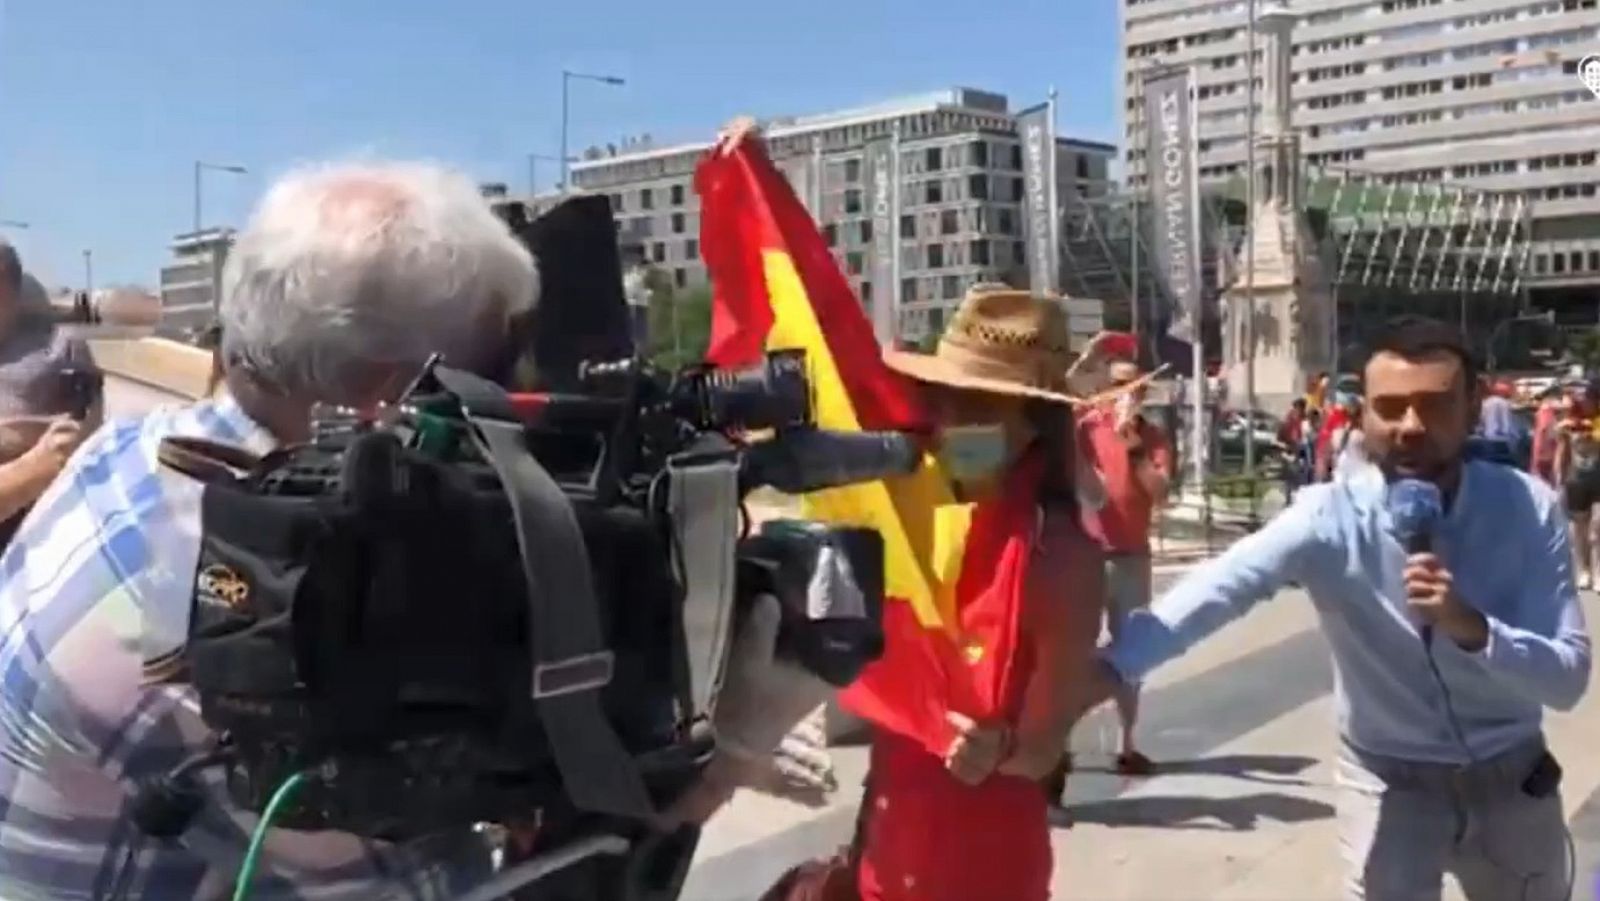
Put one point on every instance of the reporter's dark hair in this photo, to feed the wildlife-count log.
(1414, 337)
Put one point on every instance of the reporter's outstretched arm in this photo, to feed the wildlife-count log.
(1221, 590)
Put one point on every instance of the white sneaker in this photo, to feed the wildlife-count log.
(1585, 581)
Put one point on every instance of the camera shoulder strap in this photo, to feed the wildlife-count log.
(703, 500)
(571, 662)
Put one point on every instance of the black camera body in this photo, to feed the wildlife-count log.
(374, 609)
(475, 606)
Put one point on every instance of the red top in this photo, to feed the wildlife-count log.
(1337, 418)
(1544, 437)
(928, 837)
(1124, 521)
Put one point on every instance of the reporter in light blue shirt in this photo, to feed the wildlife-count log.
(1444, 660)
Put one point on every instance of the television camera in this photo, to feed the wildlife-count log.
(475, 604)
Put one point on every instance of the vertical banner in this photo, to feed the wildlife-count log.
(878, 174)
(1037, 132)
(818, 177)
(1172, 171)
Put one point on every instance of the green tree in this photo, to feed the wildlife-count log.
(1584, 347)
(680, 322)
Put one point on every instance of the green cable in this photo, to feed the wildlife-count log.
(252, 857)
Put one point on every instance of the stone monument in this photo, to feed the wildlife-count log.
(1290, 294)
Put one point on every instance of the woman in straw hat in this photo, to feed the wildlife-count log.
(972, 822)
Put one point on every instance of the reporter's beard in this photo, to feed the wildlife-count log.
(1445, 472)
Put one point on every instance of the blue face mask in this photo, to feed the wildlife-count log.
(970, 453)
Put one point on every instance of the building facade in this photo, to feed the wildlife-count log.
(960, 188)
(191, 281)
(1479, 92)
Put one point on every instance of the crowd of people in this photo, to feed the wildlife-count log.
(349, 276)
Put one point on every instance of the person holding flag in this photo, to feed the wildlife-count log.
(1026, 581)
(994, 589)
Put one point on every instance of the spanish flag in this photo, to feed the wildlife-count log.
(775, 286)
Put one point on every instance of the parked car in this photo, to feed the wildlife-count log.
(1231, 431)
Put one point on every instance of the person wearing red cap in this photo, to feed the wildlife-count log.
(1134, 458)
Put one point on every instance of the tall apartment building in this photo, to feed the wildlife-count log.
(190, 281)
(1479, 92)
(960, 185)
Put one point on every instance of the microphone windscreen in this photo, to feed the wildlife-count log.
(1415, 507)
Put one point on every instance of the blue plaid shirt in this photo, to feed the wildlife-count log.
(94, 594)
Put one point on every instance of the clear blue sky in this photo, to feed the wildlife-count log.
(105, 104)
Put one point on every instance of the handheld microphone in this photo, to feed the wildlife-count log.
(1415, 507)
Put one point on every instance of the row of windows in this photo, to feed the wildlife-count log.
(638, 227)
(977, 220)
(1390, 92)
(1503, 167)
(932, 288)
(913, 126)
(1562, 192)
(1564, 262)
(944, 255)
(1336, 157)
(1328, 17)
(658, 251)
(1451, 113)
(849, 171)
(1348, 70)
(943, 190)
(1343, 42)
(1394, 120)
(1400, 62)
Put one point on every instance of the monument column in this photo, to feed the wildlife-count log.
(1288, 291)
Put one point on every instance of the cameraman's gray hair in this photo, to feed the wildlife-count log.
(380, 262)
(11, 264)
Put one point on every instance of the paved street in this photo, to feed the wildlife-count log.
(1243, 810)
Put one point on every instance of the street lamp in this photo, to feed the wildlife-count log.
(533, 171)
(13, 223)
(200, 167)
(566, 82)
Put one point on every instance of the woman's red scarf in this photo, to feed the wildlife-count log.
(975, 668)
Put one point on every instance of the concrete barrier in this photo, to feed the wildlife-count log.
(170, 366)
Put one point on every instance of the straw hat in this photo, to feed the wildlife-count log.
(1000, 341)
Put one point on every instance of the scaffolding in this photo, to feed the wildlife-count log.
(1390, 246)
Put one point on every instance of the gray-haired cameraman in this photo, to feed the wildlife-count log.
(345, 281)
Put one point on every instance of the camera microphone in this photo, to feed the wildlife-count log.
(800, 460)
(1415, 506)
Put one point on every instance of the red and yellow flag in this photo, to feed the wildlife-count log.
(775, 286)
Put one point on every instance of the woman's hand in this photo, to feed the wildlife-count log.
(735, 133)
(977, 750)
